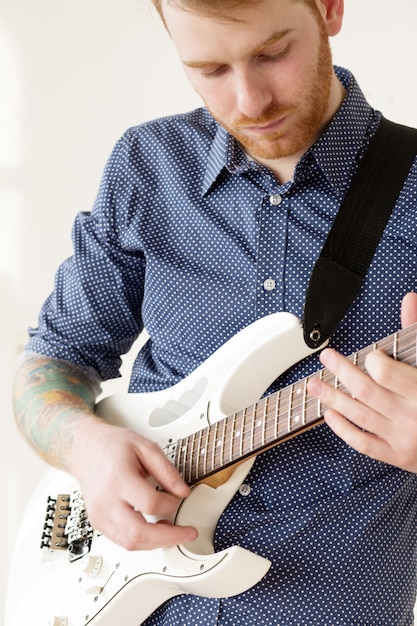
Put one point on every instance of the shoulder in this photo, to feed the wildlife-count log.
(163, 142)
(198, 124)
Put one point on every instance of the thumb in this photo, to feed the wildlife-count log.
(409, 309)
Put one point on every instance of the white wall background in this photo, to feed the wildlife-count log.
(74, 74)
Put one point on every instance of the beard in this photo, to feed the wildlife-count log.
(308, 113)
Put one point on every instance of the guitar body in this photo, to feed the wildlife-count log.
(109, 585)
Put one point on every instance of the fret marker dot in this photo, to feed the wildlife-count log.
(296, 418)
(218, 444)
(259, 423)
(203, 451)
(237, 434)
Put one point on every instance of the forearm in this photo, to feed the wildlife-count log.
(54, 406)
(51, 400)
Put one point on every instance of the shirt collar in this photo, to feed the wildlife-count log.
(337, 151)
(340, 148)
(225, 154)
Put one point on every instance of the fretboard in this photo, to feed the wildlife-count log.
(273, 419)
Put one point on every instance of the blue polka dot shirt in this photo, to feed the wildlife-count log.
(194, 241)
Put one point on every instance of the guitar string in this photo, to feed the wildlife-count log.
(296, 407)
(261, 435)
(285, 396)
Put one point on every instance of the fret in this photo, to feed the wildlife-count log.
(179, 462)
(395, 347)
(243, 430)
(271, 416)
(239, 435)
(196, 455)
(298, 417)
(296, 414)
(259, 418)
(184, 450)
(192, 461)
(290, 399)
(204, 451)
(214, 444)
(184, 458)
(270, 419)
(258, 425)
(295, 406)
(304, 402)
(274, 399)
(319, 406)
(406, 345)
(262, 425)
(252, 430)
(280, 413)
(232, 436)
(220, 443)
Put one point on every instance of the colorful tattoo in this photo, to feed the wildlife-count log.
(50, 396)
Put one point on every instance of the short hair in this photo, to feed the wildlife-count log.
(214, 7)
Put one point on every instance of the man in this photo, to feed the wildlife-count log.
(203, 224)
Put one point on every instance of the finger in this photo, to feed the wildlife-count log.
(362, 441)
(373, 420)
(356, 395)
(144, 496)
(399, 378)
(160, 468)
(398, 450)
(133, 531)
(142, 534)
(137, 484)
(409, 309)
(339, 406)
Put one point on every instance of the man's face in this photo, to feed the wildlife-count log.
(265, 76)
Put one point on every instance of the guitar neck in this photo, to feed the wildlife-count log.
(273, 419)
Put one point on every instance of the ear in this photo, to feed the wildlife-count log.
(332, 11)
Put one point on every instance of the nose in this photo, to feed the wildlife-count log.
(253, 93)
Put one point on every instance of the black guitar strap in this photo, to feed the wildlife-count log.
(357, 229)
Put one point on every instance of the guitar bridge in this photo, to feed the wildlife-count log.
(66, 526)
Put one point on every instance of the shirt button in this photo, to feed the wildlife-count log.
(244, 489)
(269, 284)
(275, 199)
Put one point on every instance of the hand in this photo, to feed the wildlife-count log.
(113, 466)
(379, 418)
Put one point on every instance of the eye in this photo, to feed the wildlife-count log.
(272, 56)
(213, 72)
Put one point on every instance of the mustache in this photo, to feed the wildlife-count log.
(269, 115)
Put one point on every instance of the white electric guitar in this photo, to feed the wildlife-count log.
(78, 577)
